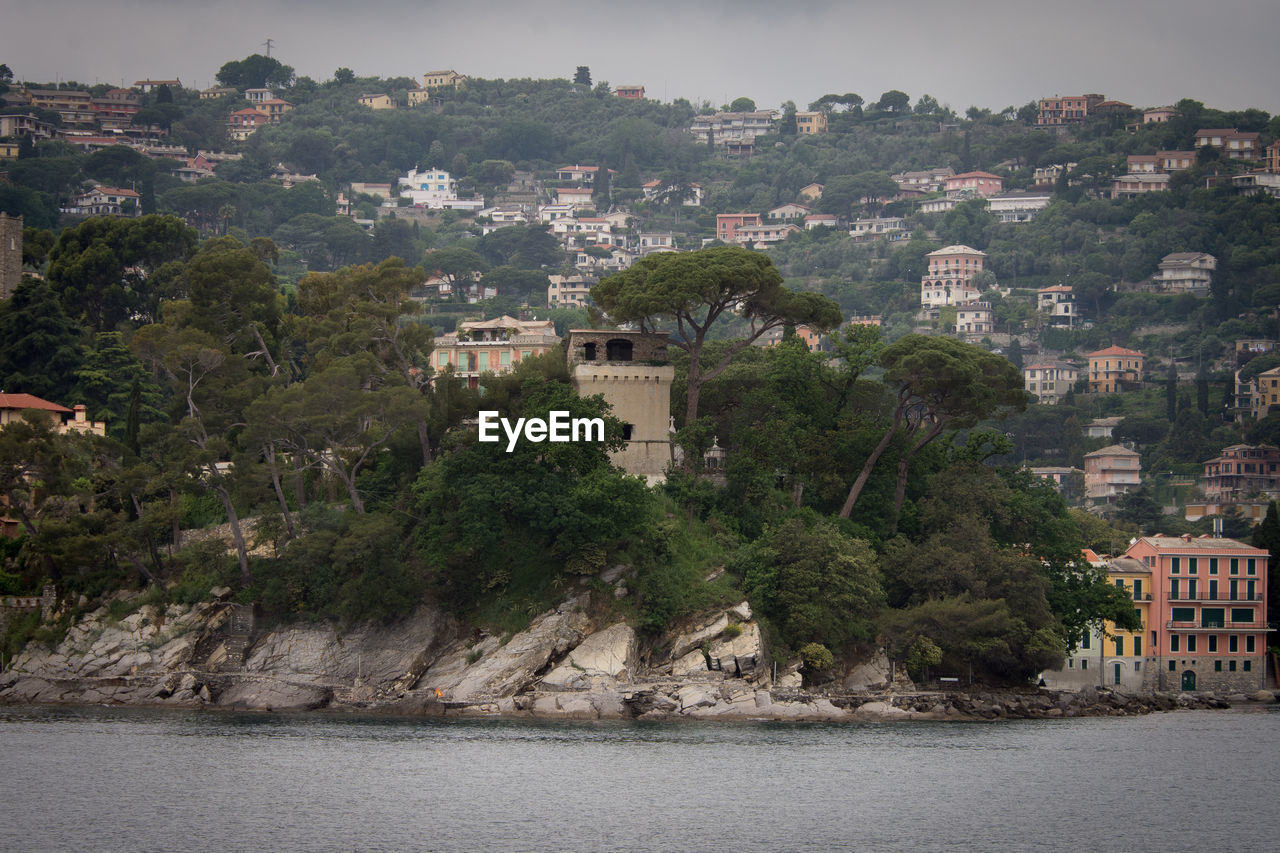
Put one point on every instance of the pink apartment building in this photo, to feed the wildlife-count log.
(728, 223)
(1208, 615)
(949, 279)
(981, 184)
(1110, 472)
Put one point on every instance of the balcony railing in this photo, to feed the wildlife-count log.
(1203, 595)
(1214, 625)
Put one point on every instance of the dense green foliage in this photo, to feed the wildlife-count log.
(281, 369)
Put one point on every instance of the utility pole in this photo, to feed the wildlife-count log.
(268, 44)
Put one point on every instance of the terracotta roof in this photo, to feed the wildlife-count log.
(1201, 543)
(975, 175)
(28, 401)
(1113, 450)
(1114, 350)
(111, 191)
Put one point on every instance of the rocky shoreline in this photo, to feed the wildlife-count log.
(563, 666)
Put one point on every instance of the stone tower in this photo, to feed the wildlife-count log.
(630, 369)
(10, 254)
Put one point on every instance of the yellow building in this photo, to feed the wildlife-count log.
(439, 79)
(377, 101)
(1127, 654)
(1112, 368)
(811, 123)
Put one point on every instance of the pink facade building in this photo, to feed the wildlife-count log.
(1069, 110)
(949, 280)
(1110, 472)
(728, 223)
(1207, 623)
(1242, 470)
(981, 184)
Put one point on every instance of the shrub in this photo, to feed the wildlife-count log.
(816, 657)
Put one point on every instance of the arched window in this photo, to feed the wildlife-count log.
(618, 349)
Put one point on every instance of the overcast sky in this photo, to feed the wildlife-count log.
(989, 53)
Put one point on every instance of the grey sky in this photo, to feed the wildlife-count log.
(992, 53)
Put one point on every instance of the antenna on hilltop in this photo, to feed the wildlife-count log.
(268, 44)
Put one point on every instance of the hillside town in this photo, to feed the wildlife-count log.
(1120, 260)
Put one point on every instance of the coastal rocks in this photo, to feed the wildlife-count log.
(603, 657)
(505, 669)
(686, 643)
(874, 674)
(740, 655)
(579, 706)
(148, 640)
(368, 654)
(272, 695)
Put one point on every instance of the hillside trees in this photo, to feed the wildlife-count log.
(255, 72)
(938, 384)
(814, 583)
(492, 518)
(100, 269)
(40, 347)
(695, 290)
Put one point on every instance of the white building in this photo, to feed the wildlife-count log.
(1186, 272)
(650, 243)
(870, 229)
(974, 320)
(1059, 303)
(1049, 381)
(569, 290)
(724, 128)
(429, 188)
(1017, 206)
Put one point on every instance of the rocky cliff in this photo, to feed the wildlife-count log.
(566, 664)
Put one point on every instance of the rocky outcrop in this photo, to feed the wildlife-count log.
(563, 665)
(492, 669)
(604, 659)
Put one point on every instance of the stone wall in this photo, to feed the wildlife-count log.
(1209, 679)
(646, 348)
(640, 395)
(10, 256)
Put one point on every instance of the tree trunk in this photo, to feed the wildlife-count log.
(424, 438)
(865, 473)
(299, 482)
(900, 492)
(270, 452)
(348, 479)
(233, 521)
(151, 543)
(177, 521)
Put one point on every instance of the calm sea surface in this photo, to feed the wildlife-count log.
(105, 779)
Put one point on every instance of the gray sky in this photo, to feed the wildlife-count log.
(992, 53)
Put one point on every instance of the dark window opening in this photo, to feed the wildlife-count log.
(618, 349)
(589, 352)
(627, 430)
